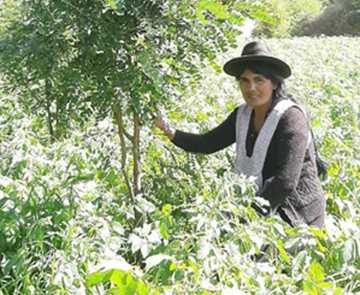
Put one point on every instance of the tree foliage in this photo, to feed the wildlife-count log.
(137, 49)
(70, 58)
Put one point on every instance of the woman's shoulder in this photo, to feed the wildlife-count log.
(294, 113)
(293, 120)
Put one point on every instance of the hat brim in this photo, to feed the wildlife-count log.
(233, 66)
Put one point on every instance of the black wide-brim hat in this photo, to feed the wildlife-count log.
(256, 52)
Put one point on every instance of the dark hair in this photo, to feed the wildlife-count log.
(270, 72)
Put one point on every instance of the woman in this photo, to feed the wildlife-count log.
(272, 135)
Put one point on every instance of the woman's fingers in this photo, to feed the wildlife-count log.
(158, 122)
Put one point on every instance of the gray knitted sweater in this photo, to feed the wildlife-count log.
(290, 161)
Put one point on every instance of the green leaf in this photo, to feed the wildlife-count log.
(111, 4)
(173, 266)
(317, 232)
(110, 178)
(13, 261)
(320, 247)
(83, 178)
(117, 276)
(216, 67)
(3, 201)
(317, 271)
(163, 230)
(142, 289)
(195, 269)
(212, 6)
(155, 260)
(166, 209)
(338, 291)
(300, 260)
(128, 286)
(310, 288)
(96, 278)
(283, 252)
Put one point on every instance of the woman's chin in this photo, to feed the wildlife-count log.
(253, 103)
(256, 103)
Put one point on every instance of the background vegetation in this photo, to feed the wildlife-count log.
(66, 210)
(289, 17)
(338, 18)
(311, 18)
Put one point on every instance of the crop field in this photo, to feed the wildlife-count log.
(65, 213)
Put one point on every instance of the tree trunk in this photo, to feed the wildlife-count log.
(137, 166)
(134, 188)
(57, 118)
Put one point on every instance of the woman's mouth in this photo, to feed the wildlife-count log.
(252, 97)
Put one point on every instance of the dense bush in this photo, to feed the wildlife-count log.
(65, 211)
(289, 17)
(341, 17)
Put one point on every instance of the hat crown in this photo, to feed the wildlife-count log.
(256, 48)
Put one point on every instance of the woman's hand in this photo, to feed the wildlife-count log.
(160, 123)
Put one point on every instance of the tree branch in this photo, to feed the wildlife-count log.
(128, 136)
(119, 122)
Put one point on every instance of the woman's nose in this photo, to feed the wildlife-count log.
(252, 86)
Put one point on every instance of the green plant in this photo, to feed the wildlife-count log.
(289, 18)
(338, 18)
(65, 208)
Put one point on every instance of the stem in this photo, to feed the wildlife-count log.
(48, 105)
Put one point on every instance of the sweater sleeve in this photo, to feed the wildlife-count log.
(292, 136)
(214, 140)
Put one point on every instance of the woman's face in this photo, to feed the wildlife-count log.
(256, 89)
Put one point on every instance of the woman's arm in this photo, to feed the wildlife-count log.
(292, 137)
(214, 140)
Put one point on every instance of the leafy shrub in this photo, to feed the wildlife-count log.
(289, 17)
(339, 18)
